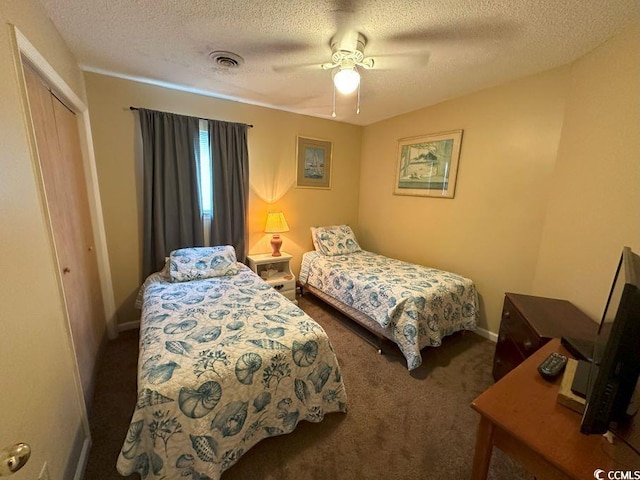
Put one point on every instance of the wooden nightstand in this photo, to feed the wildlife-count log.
(529, 322)
(276, 271)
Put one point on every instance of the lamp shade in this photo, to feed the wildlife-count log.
(276, 223)
(346, 80)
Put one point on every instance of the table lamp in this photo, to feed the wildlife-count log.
(276, 224)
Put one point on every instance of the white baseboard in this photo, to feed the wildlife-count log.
(128, 326)
(487, 334)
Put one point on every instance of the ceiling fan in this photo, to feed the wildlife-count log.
(347, 58)
(347, 55)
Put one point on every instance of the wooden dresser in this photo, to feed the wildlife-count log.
(529, 322)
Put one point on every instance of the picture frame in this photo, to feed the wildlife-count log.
(313, 163)
(428, 165)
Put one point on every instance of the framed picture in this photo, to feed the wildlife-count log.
(313, 163)
(427, 165)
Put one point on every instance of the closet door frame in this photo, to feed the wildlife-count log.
(46, 71)
(25, 51)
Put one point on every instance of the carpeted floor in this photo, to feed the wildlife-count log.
(400, 425)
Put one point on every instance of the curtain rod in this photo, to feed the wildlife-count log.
(247, 124)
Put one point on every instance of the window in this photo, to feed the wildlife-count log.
(206, 174)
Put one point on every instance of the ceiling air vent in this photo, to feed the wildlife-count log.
(226, 59)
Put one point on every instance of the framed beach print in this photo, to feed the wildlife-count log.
(313, 163)
(428, 165)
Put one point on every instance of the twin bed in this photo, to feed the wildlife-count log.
(226, 361)
(411, 305)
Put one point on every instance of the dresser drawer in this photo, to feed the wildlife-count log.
(529, 322)
(517, 328)
(507, 356)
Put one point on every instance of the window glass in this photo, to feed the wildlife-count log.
(206, 177)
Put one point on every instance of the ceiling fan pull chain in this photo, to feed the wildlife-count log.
(358, 100)
(333, 114)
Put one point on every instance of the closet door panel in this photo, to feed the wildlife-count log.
(60, 158)
(76, 196)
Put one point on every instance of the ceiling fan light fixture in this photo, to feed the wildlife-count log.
(346, 80)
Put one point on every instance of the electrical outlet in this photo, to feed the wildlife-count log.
(44, 473)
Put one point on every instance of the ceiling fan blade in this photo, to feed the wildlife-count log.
(347, 29)
(400, 61)
(281, 47)
(300, 67)
(344, 12)
(487, 30)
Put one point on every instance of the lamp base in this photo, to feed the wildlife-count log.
(276, 243)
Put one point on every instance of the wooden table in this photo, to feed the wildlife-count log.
(520, 416)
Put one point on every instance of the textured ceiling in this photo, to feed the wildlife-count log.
(425, 51)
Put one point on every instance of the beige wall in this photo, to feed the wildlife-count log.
(491, 230)
(272, 148)
(548, 183)
(594, 202)
(39, 401)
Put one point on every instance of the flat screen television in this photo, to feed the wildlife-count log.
(615, 367)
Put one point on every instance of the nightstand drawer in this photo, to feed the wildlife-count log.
(282, 285)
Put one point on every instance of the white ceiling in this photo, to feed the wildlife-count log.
(426, 51)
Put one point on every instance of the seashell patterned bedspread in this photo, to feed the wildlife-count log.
(419, 305)
(224, 363)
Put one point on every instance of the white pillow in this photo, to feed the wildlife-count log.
(196, 263)
(334, 240)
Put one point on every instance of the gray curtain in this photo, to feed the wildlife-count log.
(172, 211)
(228, 143)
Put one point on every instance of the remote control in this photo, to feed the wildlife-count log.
(552, 366)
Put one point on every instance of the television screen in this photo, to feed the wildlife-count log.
(604, 331)
(616, 357)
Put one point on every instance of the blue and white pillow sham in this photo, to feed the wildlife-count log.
(196, 263)
(334, 240)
